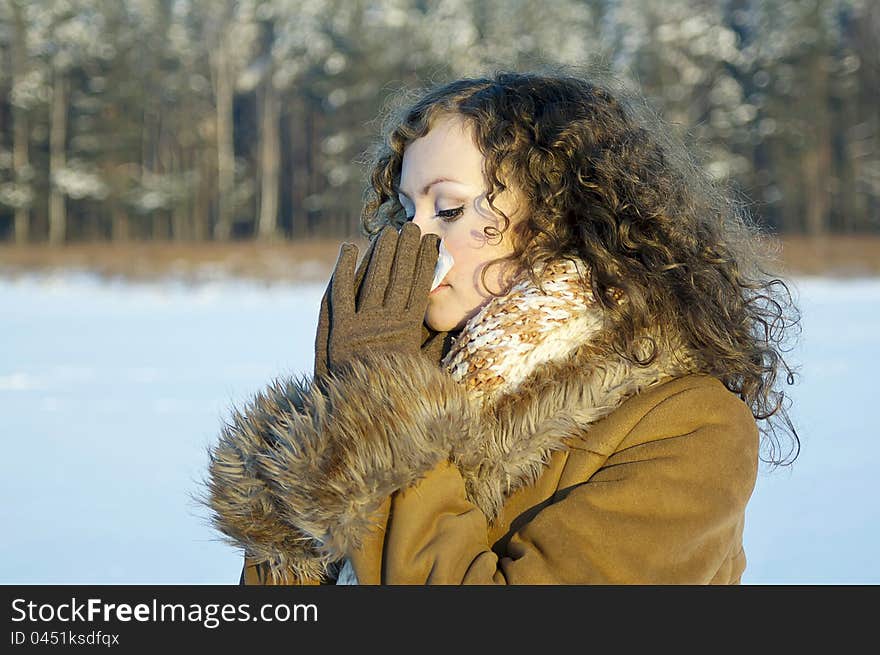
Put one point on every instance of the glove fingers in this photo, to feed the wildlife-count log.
(371, 294)
(322, 335)
(404, 270)
(342, 284)
(364, 263)
(428, 253)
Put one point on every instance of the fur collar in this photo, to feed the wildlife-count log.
(525, 328)
(297, 474)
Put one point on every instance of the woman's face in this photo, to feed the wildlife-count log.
(443, 191)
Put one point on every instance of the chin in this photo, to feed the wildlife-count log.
(440, 325)
(443, 321)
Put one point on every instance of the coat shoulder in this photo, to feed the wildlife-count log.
(684, 403)
(699, 427)
(693, 401)
(656, 491)
(696, 405)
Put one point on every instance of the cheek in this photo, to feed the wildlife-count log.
(472, 251)
(466, 261)
(459, 251)
(465, 238)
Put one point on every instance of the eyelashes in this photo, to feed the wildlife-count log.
(451, 214)
(448, 215)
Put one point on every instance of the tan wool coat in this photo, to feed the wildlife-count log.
(593, 471)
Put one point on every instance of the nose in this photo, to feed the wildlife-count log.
(426, 225)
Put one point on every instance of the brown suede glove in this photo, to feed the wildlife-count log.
(375, 328)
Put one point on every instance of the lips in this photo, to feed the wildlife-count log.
(442, 285)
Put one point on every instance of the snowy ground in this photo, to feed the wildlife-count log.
(111, 392)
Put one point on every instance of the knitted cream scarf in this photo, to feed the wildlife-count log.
(512, 334)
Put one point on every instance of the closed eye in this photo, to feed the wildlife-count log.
(451, 214)
(447, 214)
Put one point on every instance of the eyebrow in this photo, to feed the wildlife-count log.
(428, 186)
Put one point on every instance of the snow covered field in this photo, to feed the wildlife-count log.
(110, 393)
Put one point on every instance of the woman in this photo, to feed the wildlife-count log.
(578, 403)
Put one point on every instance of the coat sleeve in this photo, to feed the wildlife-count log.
(665, 508)
(302, 472)
(255, 572)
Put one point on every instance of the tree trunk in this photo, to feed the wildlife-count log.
(20, 158)
(224, 90)
(180, 209)
(202, 205)
(817, 161)
(298, 176)
(270, 160)
(314, 213)
(119, 228)
(815, 117)
(57, 159)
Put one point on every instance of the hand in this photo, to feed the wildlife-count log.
(391, 286)
(322, 335)
(434, 346)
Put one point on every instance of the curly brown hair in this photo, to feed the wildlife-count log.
(607, 181)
